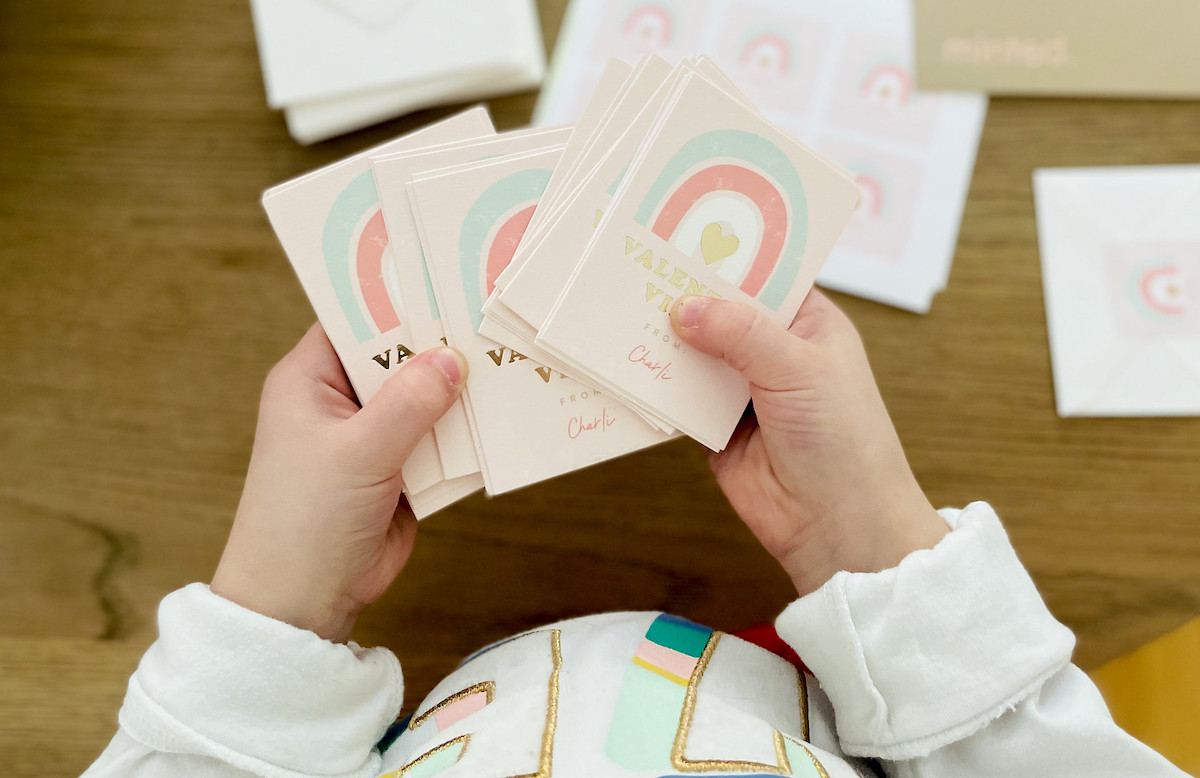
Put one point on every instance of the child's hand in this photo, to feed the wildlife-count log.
(321, 529)
(817, 471)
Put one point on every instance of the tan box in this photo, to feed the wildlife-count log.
(1101, 48)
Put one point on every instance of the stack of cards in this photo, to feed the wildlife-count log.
(836, 75)
(683, 188)
(330, 225)
(338, 65)
(550, 258)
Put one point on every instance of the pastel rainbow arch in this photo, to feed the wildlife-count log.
(739, 170)
(875, 201)
(767, 51)
(354, 242)
(887, 83)
(650, 24)
(492, 230)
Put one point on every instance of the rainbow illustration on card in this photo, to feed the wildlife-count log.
(767, 51)
(491, 231)
(650, 25)
(734, 199)
(355, 245)
(887, 83)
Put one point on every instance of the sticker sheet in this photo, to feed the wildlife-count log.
(837, 76)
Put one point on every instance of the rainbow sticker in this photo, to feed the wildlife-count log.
(734, 199)
(887, 83)
(1159, 292)
(874, 203)
(767, 52)
(651, 25)
(491, 231)
(355, 242)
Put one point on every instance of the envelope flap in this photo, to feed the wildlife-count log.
(369, 13)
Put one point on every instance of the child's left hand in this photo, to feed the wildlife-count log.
(322, 529)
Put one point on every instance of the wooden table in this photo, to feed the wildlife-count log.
(143, 298)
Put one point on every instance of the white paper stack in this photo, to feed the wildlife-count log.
(334, 66)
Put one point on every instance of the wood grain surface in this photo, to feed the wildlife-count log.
(143, 298)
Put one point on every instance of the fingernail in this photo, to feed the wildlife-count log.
(451, 363)
(690, 309)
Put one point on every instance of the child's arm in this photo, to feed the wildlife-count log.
(924, 629)
(254, 677)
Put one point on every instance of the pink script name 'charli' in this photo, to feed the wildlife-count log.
(641, 355)
(578, 425)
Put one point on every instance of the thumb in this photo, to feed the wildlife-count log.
(404, 409)
(767, 355)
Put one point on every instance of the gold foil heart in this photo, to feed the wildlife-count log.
(715, 245)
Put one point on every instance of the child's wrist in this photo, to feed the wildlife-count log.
(867, 543)
(328, 621)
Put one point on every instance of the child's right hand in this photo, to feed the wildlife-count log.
(817, 471)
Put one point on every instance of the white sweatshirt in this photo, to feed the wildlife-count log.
(947, 665)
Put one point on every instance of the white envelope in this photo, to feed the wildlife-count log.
(315, 50)
(1121, 270)
(318, 121)
(312, 121)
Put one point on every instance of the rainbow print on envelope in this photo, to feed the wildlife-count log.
(733, 198)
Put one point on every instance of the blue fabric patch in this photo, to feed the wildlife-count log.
(392, 733)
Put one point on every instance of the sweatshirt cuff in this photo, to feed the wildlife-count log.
(256, 693)
(931, 651)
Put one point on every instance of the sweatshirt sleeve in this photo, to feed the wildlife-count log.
(950, 664)
(225, 691)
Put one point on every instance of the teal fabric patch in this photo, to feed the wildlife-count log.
(804, 764)
(439, 762)
(679, 634)
(644, 722)
(393, 733)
